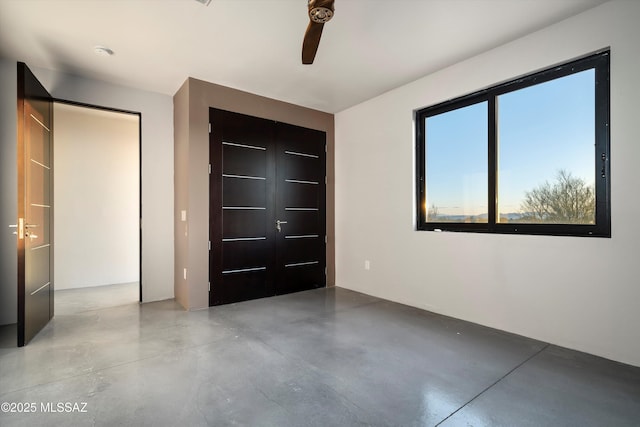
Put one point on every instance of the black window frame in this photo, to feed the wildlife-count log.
(600, 62)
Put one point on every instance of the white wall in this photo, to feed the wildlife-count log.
(8, 194)
(581, 293)
(96, 194)
(157, 170)
(157, 167)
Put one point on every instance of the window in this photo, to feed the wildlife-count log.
(530, 156)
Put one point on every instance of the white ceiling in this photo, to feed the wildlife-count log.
(370, 46)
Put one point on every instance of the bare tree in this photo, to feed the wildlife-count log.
(568, 200)
(432, 213)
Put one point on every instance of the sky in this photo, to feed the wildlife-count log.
(541, 129)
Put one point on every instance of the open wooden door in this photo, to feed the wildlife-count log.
(35, 202)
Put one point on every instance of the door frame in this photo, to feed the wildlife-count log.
(139, 114)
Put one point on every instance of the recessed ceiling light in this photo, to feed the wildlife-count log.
(204, 2)
(102, 51)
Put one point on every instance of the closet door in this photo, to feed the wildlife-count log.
(242, 185)
(267, 208)
(300, 209)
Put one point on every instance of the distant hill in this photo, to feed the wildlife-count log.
(512, 216)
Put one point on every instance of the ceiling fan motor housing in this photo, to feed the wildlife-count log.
(321, 11)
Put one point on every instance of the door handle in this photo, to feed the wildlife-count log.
(20, 228)
(278, 224)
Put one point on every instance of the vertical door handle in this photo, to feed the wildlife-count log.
(278, 225)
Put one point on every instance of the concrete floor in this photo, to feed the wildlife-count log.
(329, 357)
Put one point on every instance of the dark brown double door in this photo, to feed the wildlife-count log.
(267, 213)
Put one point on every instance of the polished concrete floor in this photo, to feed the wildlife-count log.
(329, 357)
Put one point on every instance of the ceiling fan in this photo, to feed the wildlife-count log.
(320, 12)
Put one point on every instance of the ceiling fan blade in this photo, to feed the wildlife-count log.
(320, 12)
(311, 42)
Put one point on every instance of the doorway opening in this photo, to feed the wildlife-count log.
(97, 207)
(35, 225)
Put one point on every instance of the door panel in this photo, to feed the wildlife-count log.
(243, 224)
(303, 224)
(300, 201)
(241, 265)
(35, 184)
(303, 167)
(263, 171)
(301, 194)
(243, 286)
(239, 190)
(242, 161)
(239, 254)
(301, 278)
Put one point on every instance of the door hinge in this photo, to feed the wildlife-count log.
(209, 127)
(209, 244)
(325, 180)
(209, 168)
(325, 271)
(325, 239)
(325, 148)
(209, 286)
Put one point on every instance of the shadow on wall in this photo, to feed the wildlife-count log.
(8, 194)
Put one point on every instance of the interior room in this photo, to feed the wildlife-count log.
(302, 250)
(97, 202)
